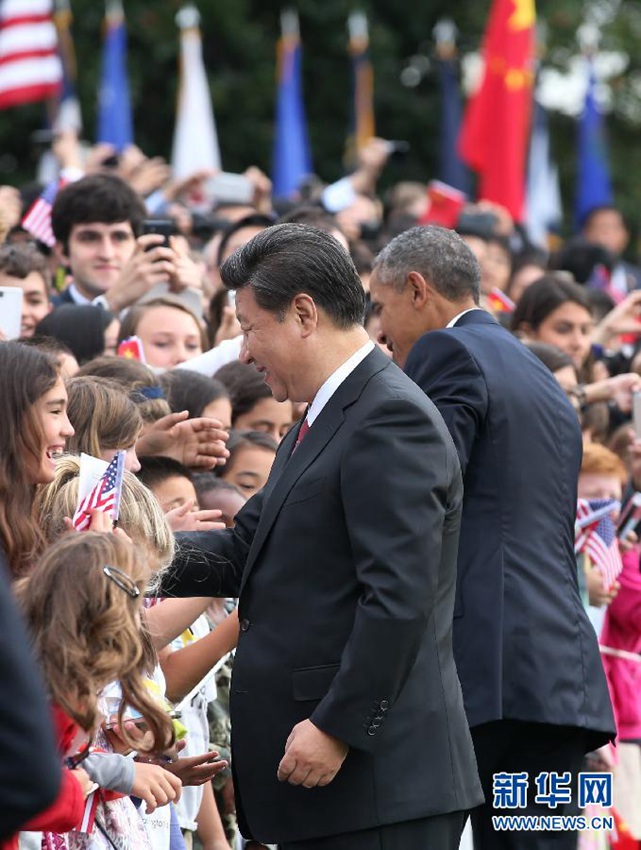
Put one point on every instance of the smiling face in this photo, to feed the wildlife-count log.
(96, 254)
(51, 409)
(169, 336)
(269, 345)
(269, 416)
(399, 323)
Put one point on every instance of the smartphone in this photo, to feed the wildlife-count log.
(630, 517)
(10, 311)
(163, 226)
(229, 188)
(636, 414)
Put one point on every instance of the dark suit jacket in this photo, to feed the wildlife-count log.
(523, 644)
(345, 565)
(63, 297)
(29, 761)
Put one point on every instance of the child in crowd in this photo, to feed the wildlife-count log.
(251, 455)
(82, 603)
(254, 408)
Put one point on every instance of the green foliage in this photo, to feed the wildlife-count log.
(239, 40)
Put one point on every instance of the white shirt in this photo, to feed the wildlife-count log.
(334, 381)
(451, 323)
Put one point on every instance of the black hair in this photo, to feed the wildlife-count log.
(252, 220)
(81, 327)
(154, 470)
(99, 198)
(191, 391)
(543, 297)
(550, 355)
(289, 259)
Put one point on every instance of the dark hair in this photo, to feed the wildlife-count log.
(580, 258)
(21, 259)
(440, 255)
(550, 355)
(311, 214)
(245, 386)
(102, 198)
(48, 344)
(252, 220)
(288, 259)
(543, 297)
(26, 374)
(191, 391)
(529, 256)
(81, 327)
(586, 218)
(246, 439)
(155, 470)
(205, 482)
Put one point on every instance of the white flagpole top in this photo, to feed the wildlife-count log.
(289, 23)
(114, 9)
(445, 32)
(357, 26)
(188, 17)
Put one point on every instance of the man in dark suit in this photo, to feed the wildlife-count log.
(527, 656)
(29, 761)
(349, 727)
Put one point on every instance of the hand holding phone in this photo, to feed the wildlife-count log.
(10, 312)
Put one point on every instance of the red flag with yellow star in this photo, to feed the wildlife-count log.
(496, 127)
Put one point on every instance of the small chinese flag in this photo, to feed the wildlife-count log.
(496, 127)
(132, 349)
(499, 302)
(445, 204)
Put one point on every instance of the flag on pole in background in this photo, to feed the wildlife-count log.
(597, 537)
(362, 106)
(195, 144)
(291, 161)
(105, 494)
(593, 174)
(30, 68)
(451, 169)
(496, 125)
(68, 117)
(543, 197)
(115, 125)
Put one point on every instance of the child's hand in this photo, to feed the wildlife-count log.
(142, 739)
(155, 785)
(197, 770)
(185, 518)
(86, 783)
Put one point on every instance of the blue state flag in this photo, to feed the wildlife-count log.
(291, 157)
(593, 178)
(451, 169)
(115, 124)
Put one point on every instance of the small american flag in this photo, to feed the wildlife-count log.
(597, 537)
(37, 220)
(104, 496)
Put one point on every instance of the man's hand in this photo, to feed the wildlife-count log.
(312, 757)
(196, 443)
(150, 264)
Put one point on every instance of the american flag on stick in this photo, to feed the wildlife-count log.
(37, 219)
(597, 537)
(104, 495)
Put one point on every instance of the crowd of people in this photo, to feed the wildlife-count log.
(342, 594)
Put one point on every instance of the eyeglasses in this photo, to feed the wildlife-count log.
(122, 580)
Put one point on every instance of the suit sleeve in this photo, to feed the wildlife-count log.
(395, 482)
(446, 372)
(27, 744)
(211, 563)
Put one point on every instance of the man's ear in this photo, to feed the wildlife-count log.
(61, 254)
(421, 290)
(306, 312)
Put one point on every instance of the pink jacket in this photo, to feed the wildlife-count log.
(622, 631)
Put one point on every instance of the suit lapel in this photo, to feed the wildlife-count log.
(289, 467)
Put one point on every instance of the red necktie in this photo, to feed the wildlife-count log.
(304, 428)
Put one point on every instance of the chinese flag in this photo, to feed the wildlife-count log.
(496, 126)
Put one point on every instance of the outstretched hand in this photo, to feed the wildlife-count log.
(196, 443)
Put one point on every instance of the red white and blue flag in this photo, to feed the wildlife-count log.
(597, 537)
(37, 219)
(30, 66)
(104, 495)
